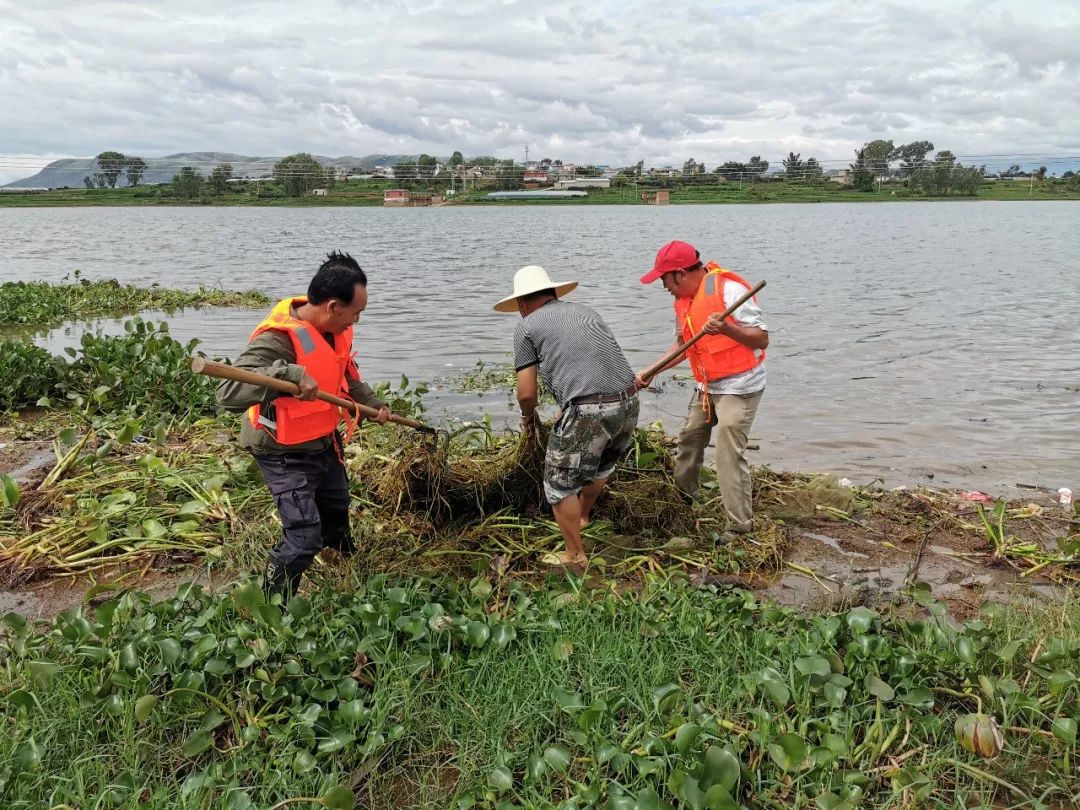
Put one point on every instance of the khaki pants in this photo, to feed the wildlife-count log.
(732, 415)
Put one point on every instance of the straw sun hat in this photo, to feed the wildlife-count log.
(532, 279)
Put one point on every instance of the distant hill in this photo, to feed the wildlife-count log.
(70, 172)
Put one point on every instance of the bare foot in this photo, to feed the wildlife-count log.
(573, 564)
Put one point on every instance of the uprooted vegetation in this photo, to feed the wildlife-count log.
(116, 496)
(147, 472)
(134, 494)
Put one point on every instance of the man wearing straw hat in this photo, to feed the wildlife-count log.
(729, 366)
(571, 348)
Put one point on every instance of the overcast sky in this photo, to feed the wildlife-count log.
(605, 81)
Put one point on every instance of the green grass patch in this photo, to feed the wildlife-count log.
(250, 194)
(40, 303)
(704, 190)
(490, 694)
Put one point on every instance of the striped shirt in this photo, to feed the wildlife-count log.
(577, 354)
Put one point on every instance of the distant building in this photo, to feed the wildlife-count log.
(535, 176)
(535, 195)
(841, 176)
(403, 198)
(582, 183)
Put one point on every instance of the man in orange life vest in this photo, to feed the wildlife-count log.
(306, 340)
(729, 366)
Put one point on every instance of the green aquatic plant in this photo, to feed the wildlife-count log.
(41, 303)
(144, 372)
(487, 693)
(28, 375)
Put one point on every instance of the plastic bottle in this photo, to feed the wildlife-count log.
(1065, 496)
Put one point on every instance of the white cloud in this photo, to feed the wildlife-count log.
(609, 82)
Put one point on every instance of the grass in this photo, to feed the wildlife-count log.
(40, 303)
(417, 693)
(369, 193)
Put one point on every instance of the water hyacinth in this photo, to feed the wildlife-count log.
(41, 303)
(503, 695)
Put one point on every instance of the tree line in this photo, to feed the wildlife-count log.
(297, 175)
(189, 184)
(111, 165)
(939, 176)
(876, 162)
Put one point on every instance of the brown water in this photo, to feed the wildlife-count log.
(908, 340)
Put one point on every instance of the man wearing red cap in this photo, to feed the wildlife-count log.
(729, 366)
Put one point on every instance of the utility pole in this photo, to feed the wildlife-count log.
(526, 155)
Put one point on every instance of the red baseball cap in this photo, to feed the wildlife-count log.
(671, 257)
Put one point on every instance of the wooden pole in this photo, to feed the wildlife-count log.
(200, 365)
(658, 366)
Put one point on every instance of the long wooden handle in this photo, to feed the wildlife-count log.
(658, 366)
(200, 365)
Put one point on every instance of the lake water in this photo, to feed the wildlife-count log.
(908, 340)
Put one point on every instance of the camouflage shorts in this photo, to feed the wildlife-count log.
(586, 444)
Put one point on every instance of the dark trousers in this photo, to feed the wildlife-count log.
(312, 495)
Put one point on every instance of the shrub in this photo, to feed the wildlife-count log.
(144, 370)
(28, 374)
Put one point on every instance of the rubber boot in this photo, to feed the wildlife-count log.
(337, 535)
(281, 579)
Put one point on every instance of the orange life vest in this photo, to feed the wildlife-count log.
(296, 421)
(714, 356)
